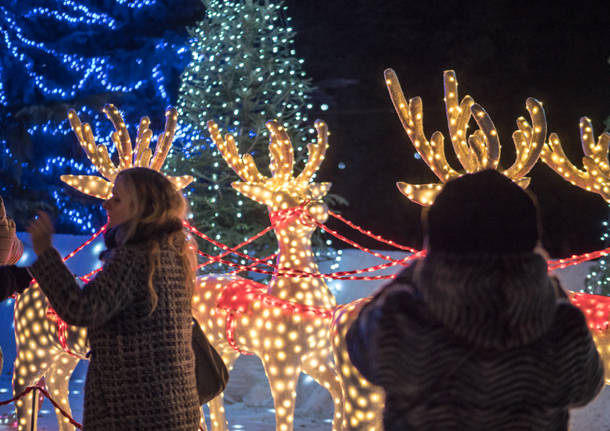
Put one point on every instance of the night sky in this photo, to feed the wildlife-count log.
(502, 51)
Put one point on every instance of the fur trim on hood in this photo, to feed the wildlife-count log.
(494, 302)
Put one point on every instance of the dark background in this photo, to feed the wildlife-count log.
(502, 51)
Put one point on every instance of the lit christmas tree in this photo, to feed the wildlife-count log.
(597, 280)
(61, 54)
(243, 72)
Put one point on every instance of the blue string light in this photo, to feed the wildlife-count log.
(95, 71)
(38, 68)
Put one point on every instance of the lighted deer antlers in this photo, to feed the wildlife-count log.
(98, 154)
(480, 150)
(596, 175)
(258, 186)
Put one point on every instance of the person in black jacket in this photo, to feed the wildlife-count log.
(477, 335)
(137, 310)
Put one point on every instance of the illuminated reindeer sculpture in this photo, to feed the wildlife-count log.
(286, 324)
(46, 346)
(594, 178)
(363, 402)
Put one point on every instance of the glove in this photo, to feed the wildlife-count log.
(13, 279)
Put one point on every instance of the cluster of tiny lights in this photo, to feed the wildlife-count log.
(43, 359)
(238, 299)
(597, 280)
(69, 72)
(243, 71)
(277, 270)
(596, 174)
(478, 151)
(284, 323)
(37, 388)
(85, 71)
(46, 347)
(140, 156)
(35, 325)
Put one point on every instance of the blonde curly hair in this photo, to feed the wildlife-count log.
(155, 205)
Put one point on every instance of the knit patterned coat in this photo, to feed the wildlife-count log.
(461, 343)
(142, 373)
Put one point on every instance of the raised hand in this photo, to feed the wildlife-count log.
(41, 232)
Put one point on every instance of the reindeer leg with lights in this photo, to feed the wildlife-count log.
(363, 402)
(42, 351)
(216, 323)
(285, 324)
(48, 347)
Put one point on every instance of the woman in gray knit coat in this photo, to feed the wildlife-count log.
(477, 336)
(137, 309)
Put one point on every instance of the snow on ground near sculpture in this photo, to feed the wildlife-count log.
(248, 398)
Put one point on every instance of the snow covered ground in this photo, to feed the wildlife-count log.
(248, 399)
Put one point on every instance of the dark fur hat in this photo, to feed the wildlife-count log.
(484, 212)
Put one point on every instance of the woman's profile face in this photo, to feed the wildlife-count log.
(118, 206)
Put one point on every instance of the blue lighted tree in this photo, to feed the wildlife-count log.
(61, 54)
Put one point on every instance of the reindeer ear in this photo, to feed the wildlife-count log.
(319, 190)
(256, 192)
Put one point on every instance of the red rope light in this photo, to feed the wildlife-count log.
(576, 259)
(230, 331)
(87, 277)
(253, 265)
(355, 244)
(46, 394)
(596, 309)
(281, 216)
(86, 243)
(225, 247)
(16, 397)
(237, 297)
(340, 275)
(231, 250)
(62, 329)
(276, 217)
(57, 406)
(62, 326)
(370, 234)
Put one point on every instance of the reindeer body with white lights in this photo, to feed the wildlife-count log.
(363, 402)
(595, 177)
(286, 324)
(46, 346)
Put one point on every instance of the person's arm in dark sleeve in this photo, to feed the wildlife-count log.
(361, 336)
(99, 300)
(13, 279)
(366, 331)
